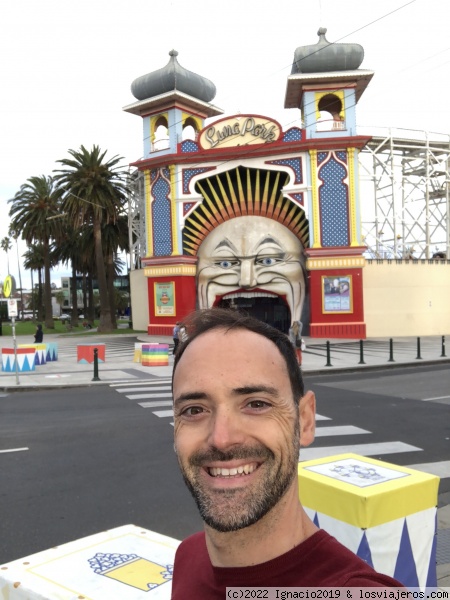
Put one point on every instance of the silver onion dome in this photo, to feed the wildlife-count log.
(173, 77)
(325, 57)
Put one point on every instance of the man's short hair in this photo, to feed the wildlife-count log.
(202, 321)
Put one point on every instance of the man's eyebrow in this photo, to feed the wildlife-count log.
(189, 396)
(255, 389)
(240, 391)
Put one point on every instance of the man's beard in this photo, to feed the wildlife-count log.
(232, 509)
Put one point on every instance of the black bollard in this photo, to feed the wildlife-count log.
(443, 347)
(328, 356)
(418, 357)
(391, 350)
(96, 377)
(361, 353)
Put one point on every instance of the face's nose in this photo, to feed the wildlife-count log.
(247, 275)
(225, 430)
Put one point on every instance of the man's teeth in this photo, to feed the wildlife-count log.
(220, 471)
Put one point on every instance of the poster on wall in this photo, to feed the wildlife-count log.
(337, 294)
(164, 299)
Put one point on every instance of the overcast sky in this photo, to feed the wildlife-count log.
(67, 67)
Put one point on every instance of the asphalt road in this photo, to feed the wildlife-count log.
(97, 459)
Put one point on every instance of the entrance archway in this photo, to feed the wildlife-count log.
(272, 310)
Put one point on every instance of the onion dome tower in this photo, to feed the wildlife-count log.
(173, 103)
(169, 100)
(326, 84)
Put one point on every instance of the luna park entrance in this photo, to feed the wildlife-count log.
(273, 311)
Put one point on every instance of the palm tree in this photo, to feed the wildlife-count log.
(15, 236)
(95, 192)
(33, 212)
(6, 246)
(34, 261)
(68, 250)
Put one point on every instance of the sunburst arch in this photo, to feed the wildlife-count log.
(242, 192)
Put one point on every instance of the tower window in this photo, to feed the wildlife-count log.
(330, 109)
(161, 135)
(190, 130)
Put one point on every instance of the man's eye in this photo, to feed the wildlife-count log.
(259, 404)
(226, 264)
(268, 261)
(192, 411)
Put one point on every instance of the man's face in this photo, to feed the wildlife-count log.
(237, 430)
(251, 255)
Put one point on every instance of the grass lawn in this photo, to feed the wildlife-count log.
(28, 328)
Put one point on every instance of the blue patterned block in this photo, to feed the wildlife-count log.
(161, 217)
(52, 351)
(405, 568)
(189, 146)
(294, 163)
(292, 135)
(364, 550)
(333, 200)
(188, 174)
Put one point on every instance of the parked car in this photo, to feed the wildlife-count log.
(64, 317)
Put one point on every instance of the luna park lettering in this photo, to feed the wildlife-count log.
(248, 126)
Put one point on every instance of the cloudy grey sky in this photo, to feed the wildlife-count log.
(67, 67)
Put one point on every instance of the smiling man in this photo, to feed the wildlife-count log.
(241, 415)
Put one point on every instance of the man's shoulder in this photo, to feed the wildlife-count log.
(192, 567)
(193, 548)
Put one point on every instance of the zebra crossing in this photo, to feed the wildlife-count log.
(156, 395)
(120, 347)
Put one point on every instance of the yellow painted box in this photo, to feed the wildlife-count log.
(384, 513)
(121, 563)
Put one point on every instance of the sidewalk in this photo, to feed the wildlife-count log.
(344, 355)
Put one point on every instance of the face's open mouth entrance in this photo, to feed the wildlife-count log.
(271, 309)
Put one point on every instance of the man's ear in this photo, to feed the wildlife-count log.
(307, 415)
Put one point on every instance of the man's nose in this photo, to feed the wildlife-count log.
(226, 430)
(247, 277)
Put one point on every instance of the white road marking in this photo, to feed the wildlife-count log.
(144, 389)
(441, 469)
(364, 449)
(339, 430)
(322, 418)
(437, 398)
(163, 413)
(155, 403)
(143, 396)
(146, 382)
(13, 450)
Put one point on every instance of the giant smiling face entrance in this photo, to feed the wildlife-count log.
(249, 239)
(255, 264)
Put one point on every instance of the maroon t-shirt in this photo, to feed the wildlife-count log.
(318, 561)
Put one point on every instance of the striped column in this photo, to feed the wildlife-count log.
(155, 355)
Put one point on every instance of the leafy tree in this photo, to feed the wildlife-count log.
(95, 191)
(33, 212)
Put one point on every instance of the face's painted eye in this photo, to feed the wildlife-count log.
(226, 264)
(268, 261)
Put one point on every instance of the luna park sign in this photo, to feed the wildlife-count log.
(241, 130)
